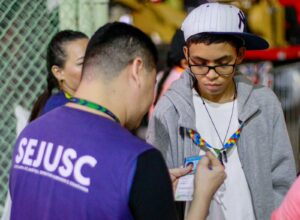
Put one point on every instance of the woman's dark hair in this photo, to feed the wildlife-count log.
(174, 57)
(56, 55)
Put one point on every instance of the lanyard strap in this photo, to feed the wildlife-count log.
(200, 142)
(94, 106)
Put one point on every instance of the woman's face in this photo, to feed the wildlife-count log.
(71, 71)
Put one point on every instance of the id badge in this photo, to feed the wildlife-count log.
(185, 186)
(193, 160)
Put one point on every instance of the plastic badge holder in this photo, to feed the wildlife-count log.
(194, 160)
(185, 187)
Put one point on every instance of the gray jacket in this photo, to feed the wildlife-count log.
(264, 147)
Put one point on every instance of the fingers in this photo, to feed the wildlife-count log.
(209, 160)
(178, 172)
(204, 161)
(213, 160)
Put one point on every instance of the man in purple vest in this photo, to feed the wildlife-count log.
(80, 161)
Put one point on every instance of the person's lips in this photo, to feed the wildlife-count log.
(212, 86)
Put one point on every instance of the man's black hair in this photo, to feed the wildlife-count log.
(115, 45)
(210, 38)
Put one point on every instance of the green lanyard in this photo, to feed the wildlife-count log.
(94, 106)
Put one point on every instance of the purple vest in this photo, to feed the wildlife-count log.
(55, 101)
(70, 164)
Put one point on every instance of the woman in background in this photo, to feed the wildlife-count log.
(65, 55)
(176, 64)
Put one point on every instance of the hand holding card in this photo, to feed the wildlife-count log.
(185, 187)
(204, 182)
(209, 176)
(176, 173)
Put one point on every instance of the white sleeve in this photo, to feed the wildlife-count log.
(7, 208)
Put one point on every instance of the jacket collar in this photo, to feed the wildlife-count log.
(246, 107)
(180, 94)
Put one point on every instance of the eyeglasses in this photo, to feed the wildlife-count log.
(221, 70)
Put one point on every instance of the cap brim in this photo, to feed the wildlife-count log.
(252, 42)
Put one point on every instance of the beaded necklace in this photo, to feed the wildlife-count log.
(200, 142)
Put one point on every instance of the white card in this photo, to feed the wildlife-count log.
(185, 188)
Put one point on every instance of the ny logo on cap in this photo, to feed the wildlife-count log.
(242, 20)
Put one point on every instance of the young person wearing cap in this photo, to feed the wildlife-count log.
(213, 108)
(79, 161)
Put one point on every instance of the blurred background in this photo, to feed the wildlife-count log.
(26, 27)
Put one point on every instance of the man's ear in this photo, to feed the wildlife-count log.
(57, 72)
(240, 55)
(136, 70)
(186, 52)
(184, 64)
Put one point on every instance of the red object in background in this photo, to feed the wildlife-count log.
(274, 54)
(156, 1)
(294, 3)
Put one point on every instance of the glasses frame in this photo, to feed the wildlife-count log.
(211, 67)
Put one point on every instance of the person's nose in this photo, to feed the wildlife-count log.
(212, 74)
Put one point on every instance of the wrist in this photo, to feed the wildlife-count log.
(203, 195)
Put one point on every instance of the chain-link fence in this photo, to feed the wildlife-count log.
(25, 30)
(26, 27)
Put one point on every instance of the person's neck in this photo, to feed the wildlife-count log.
(67, 90)
(101, 95)
(227, 96)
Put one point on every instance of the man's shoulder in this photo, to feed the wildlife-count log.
(89, 130)
(174, 99)
(136, 142)
(265, 97)
(256, 93)
(164, 105)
